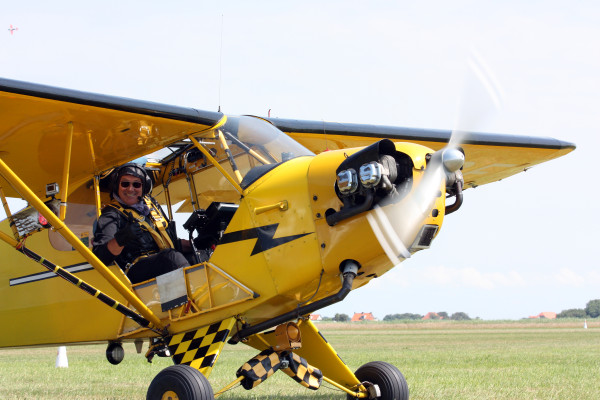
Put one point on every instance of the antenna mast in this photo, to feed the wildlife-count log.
(220, 63)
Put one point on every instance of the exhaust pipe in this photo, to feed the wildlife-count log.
(349, 270)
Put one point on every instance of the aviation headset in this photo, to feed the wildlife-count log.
(132, 169)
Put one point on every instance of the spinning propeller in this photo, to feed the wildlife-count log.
(398, 224)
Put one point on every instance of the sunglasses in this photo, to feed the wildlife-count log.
(125, 184)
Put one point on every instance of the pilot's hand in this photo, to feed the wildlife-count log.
(130, 235)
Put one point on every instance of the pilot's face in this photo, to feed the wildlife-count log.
(128, 192)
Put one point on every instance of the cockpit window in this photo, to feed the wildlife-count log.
(245, 149)
(268, 142)
(262, 142)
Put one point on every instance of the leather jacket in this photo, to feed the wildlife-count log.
(110, 222)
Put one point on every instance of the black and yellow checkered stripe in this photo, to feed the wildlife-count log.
(259, 368)
(303, 373)
(200, 348)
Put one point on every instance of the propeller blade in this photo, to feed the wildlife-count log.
(480, 100)
(396, 224)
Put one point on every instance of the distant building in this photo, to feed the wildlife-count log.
(316, 317)
(432, 315)
(363, 317)
(545, 314)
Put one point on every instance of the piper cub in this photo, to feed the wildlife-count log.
(285, 217)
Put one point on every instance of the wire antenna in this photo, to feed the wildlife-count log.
(220, 63)
(325, 135)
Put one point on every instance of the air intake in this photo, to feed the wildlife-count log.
(425, 237)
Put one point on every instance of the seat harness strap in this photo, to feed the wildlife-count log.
(161, 237)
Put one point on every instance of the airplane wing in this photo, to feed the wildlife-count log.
(488, 157)
(36, 122)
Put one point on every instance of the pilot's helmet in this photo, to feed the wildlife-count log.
(132, 169)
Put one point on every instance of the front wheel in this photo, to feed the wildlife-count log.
(390, 380)
(180, 382)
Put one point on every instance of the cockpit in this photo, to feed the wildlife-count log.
(219, 164)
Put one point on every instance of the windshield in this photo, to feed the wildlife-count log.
(249, 147)
(231, 157)
(262, 140)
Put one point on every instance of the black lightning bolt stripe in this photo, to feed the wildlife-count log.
(264, 236)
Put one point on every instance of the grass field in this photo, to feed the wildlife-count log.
(441, 360)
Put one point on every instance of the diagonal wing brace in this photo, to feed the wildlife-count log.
(69, 277)
(90, 257)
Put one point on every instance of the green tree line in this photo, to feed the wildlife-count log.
(591, 310)
(457, 316)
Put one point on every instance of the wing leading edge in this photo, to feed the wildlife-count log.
(36, 122)
(489, 157)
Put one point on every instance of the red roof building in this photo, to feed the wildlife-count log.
(316, 317)
(363, 317)
(432, 315)
(545, 314)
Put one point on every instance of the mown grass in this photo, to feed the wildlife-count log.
(487, 360)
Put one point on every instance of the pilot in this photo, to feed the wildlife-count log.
(134, 231)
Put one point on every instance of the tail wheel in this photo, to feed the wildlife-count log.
(390, 380)
(115, 353)
(180, 382)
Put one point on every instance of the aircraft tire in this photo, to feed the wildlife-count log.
(390, 380)
(115, 353)
(182, 382)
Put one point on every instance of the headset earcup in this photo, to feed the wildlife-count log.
(147, 183)
(146, 180)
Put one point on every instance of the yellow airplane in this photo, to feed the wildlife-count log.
(287, 217)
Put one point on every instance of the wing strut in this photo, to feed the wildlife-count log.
(214, 162)
(7, 211)
(70, 237)
(97, 195)
(65, 178)
(69, 277)
(232, 162)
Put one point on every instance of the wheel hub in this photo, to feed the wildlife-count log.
(169, 395)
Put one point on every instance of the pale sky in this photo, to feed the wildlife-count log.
(515, 248)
